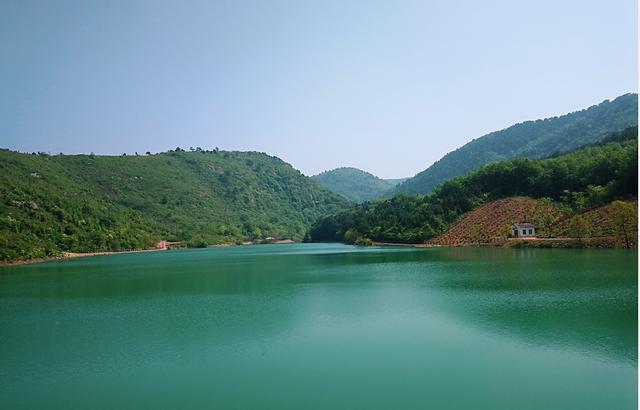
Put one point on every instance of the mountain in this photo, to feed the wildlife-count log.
(396, 181)
(83, 203)
(530, 139)
(588, 177)
(355, 184)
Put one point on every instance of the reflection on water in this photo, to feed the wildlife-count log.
(300, 312)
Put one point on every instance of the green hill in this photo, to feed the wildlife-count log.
(354, 184)
(530, 139)
(585, 178)
(81, 203)
(396, 181)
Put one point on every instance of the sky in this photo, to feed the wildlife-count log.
(385, 86)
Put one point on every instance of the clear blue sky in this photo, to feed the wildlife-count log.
(386, 86)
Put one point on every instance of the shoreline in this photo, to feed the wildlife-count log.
(597, 242)
(409, 245)
(73, 255)
(510, 242)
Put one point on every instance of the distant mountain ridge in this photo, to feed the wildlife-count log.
(355, 184)
(529, 139)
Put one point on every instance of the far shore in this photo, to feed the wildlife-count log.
(410, 245)
(598, 242)
(71, 255)
(522, 241)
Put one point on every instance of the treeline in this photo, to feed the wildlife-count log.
(85, 203)
(592, 175)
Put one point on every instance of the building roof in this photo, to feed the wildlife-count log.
(523, 226)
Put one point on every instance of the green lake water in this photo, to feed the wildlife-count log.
(322, 326)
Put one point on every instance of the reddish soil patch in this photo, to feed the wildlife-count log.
(490, 224)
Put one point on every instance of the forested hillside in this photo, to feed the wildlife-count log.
(354, 184)
(82, 203)
(587, 177)
(530, 139)
(396, 181)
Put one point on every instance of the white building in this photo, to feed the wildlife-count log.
(523, 230)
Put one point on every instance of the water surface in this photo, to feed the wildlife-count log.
(321, 326)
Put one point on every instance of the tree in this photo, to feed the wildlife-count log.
(507, 230)
(351, 236)
(579, 227)
(623, 219)
(596, 194)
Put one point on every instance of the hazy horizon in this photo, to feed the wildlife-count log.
(387, 88)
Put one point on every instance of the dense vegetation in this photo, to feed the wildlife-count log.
(396, 181)
(83, 203)
(355, 184)
(530, 139)
(590, 176)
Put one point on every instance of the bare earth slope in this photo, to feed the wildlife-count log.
(491, 223)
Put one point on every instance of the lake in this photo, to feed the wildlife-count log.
(322, 326)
